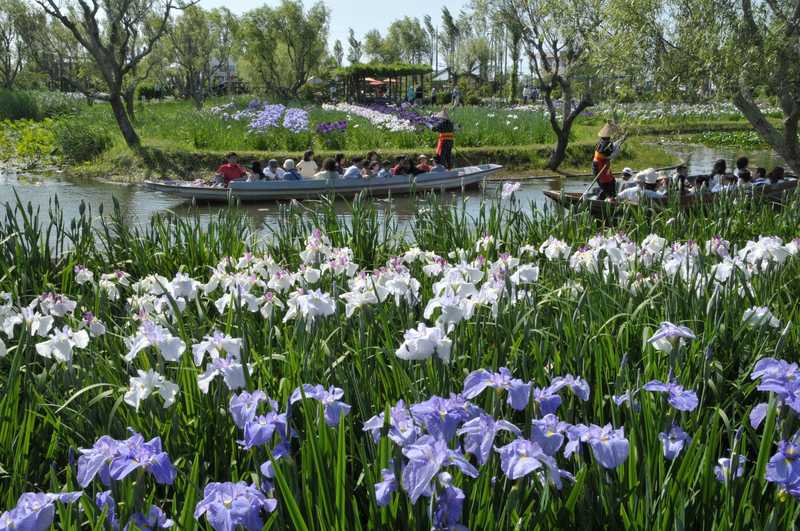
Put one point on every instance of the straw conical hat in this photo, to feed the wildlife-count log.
(607, 131)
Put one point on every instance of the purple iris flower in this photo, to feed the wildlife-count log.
(442, 416)
(679, 398)
(723, 472)
(228, 505)
(609, 446)
(548, 433)
(259, 431)
(385, 487)
(329, 398)
(154, 519)
(577, 385)
(134, 453)
(548, 401)
(522, 457)
(35, 511)
(280, 451)
(104, 500)
(480, 433)
(674, 441)
(779, 377)
(426, 457)
(518, 391)
(449, 504)
(784, 467)
(402, 429)
(669, 336)
(243, 406)
(96, 460)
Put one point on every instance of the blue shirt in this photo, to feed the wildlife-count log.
(292, 175)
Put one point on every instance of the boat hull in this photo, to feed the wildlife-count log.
(264, 191)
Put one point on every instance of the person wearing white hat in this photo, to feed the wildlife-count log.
(605, 151)
(627, 180)
(647, 187)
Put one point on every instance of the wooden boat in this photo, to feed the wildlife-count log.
(605, 209)
(457, 179)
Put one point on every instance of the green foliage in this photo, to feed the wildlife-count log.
(383, 70)
(16, 105)
(598, 333)
(80, 142)
(738, 139)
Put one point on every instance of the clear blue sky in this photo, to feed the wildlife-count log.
(361, 15)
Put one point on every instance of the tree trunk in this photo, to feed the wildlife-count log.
(124, 122)
(560, 152)
(130, 102)
(784, 144)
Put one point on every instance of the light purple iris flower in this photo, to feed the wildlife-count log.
(548, 401)
(480, 433)
(449, 505)
(105, 501)
(779, 377)
(609, 446)
(386, 487)
(724, 471)
(402, 429)
(134, 453)
(669, 336)
(329, 398)
(518, 391)
(154, 519)
(426, 457)
(35, 511)
(674, 442)
(228, 505)
(548, 433)
(96, 460)
(243, 406)
(280, 451)
(784, 467)
(522, 457)
(442, 416)
(259, 431)
(577, 385)
(679, 398)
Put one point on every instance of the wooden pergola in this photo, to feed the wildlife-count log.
(364, 83)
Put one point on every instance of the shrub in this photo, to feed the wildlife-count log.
(148, 91)
(15, 105)
(444, 97)
(80, 142)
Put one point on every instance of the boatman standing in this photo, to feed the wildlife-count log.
(444, 149)
(605, 152)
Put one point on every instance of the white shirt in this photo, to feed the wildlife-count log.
(634, 195)
(352, 172)
(307, 168)
(278, 174)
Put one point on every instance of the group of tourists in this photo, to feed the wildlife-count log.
(650, 184)
(338, 167)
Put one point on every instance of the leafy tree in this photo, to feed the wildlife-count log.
(12, 16)
(410, 39)
(284, 46)
(559, 38)
(355, 50)
(736, 49)
(192, 47)
(338, 52)
(449, 41)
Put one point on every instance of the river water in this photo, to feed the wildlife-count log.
(139, 205)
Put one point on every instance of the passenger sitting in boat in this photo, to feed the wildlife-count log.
(372, 156)
(725, 183)
(761, 176)
(627, 180)
(328, 170)
(745, 179)
(354, 170)
(273, 172)
(290, 172)
(776, 175)
(679, 178)
(374, 170)
(231, 170)
(308, 167)
(406, 167)
(339, 160)
(662, 183)
(437, 164)
(646, 187)
(711, 181)
(386, 169)
(741, 165)
(255, 172)
(422, 164)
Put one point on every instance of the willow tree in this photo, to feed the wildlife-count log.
(13, 14)
(746, 50)
(118, 35)
(559, 38)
